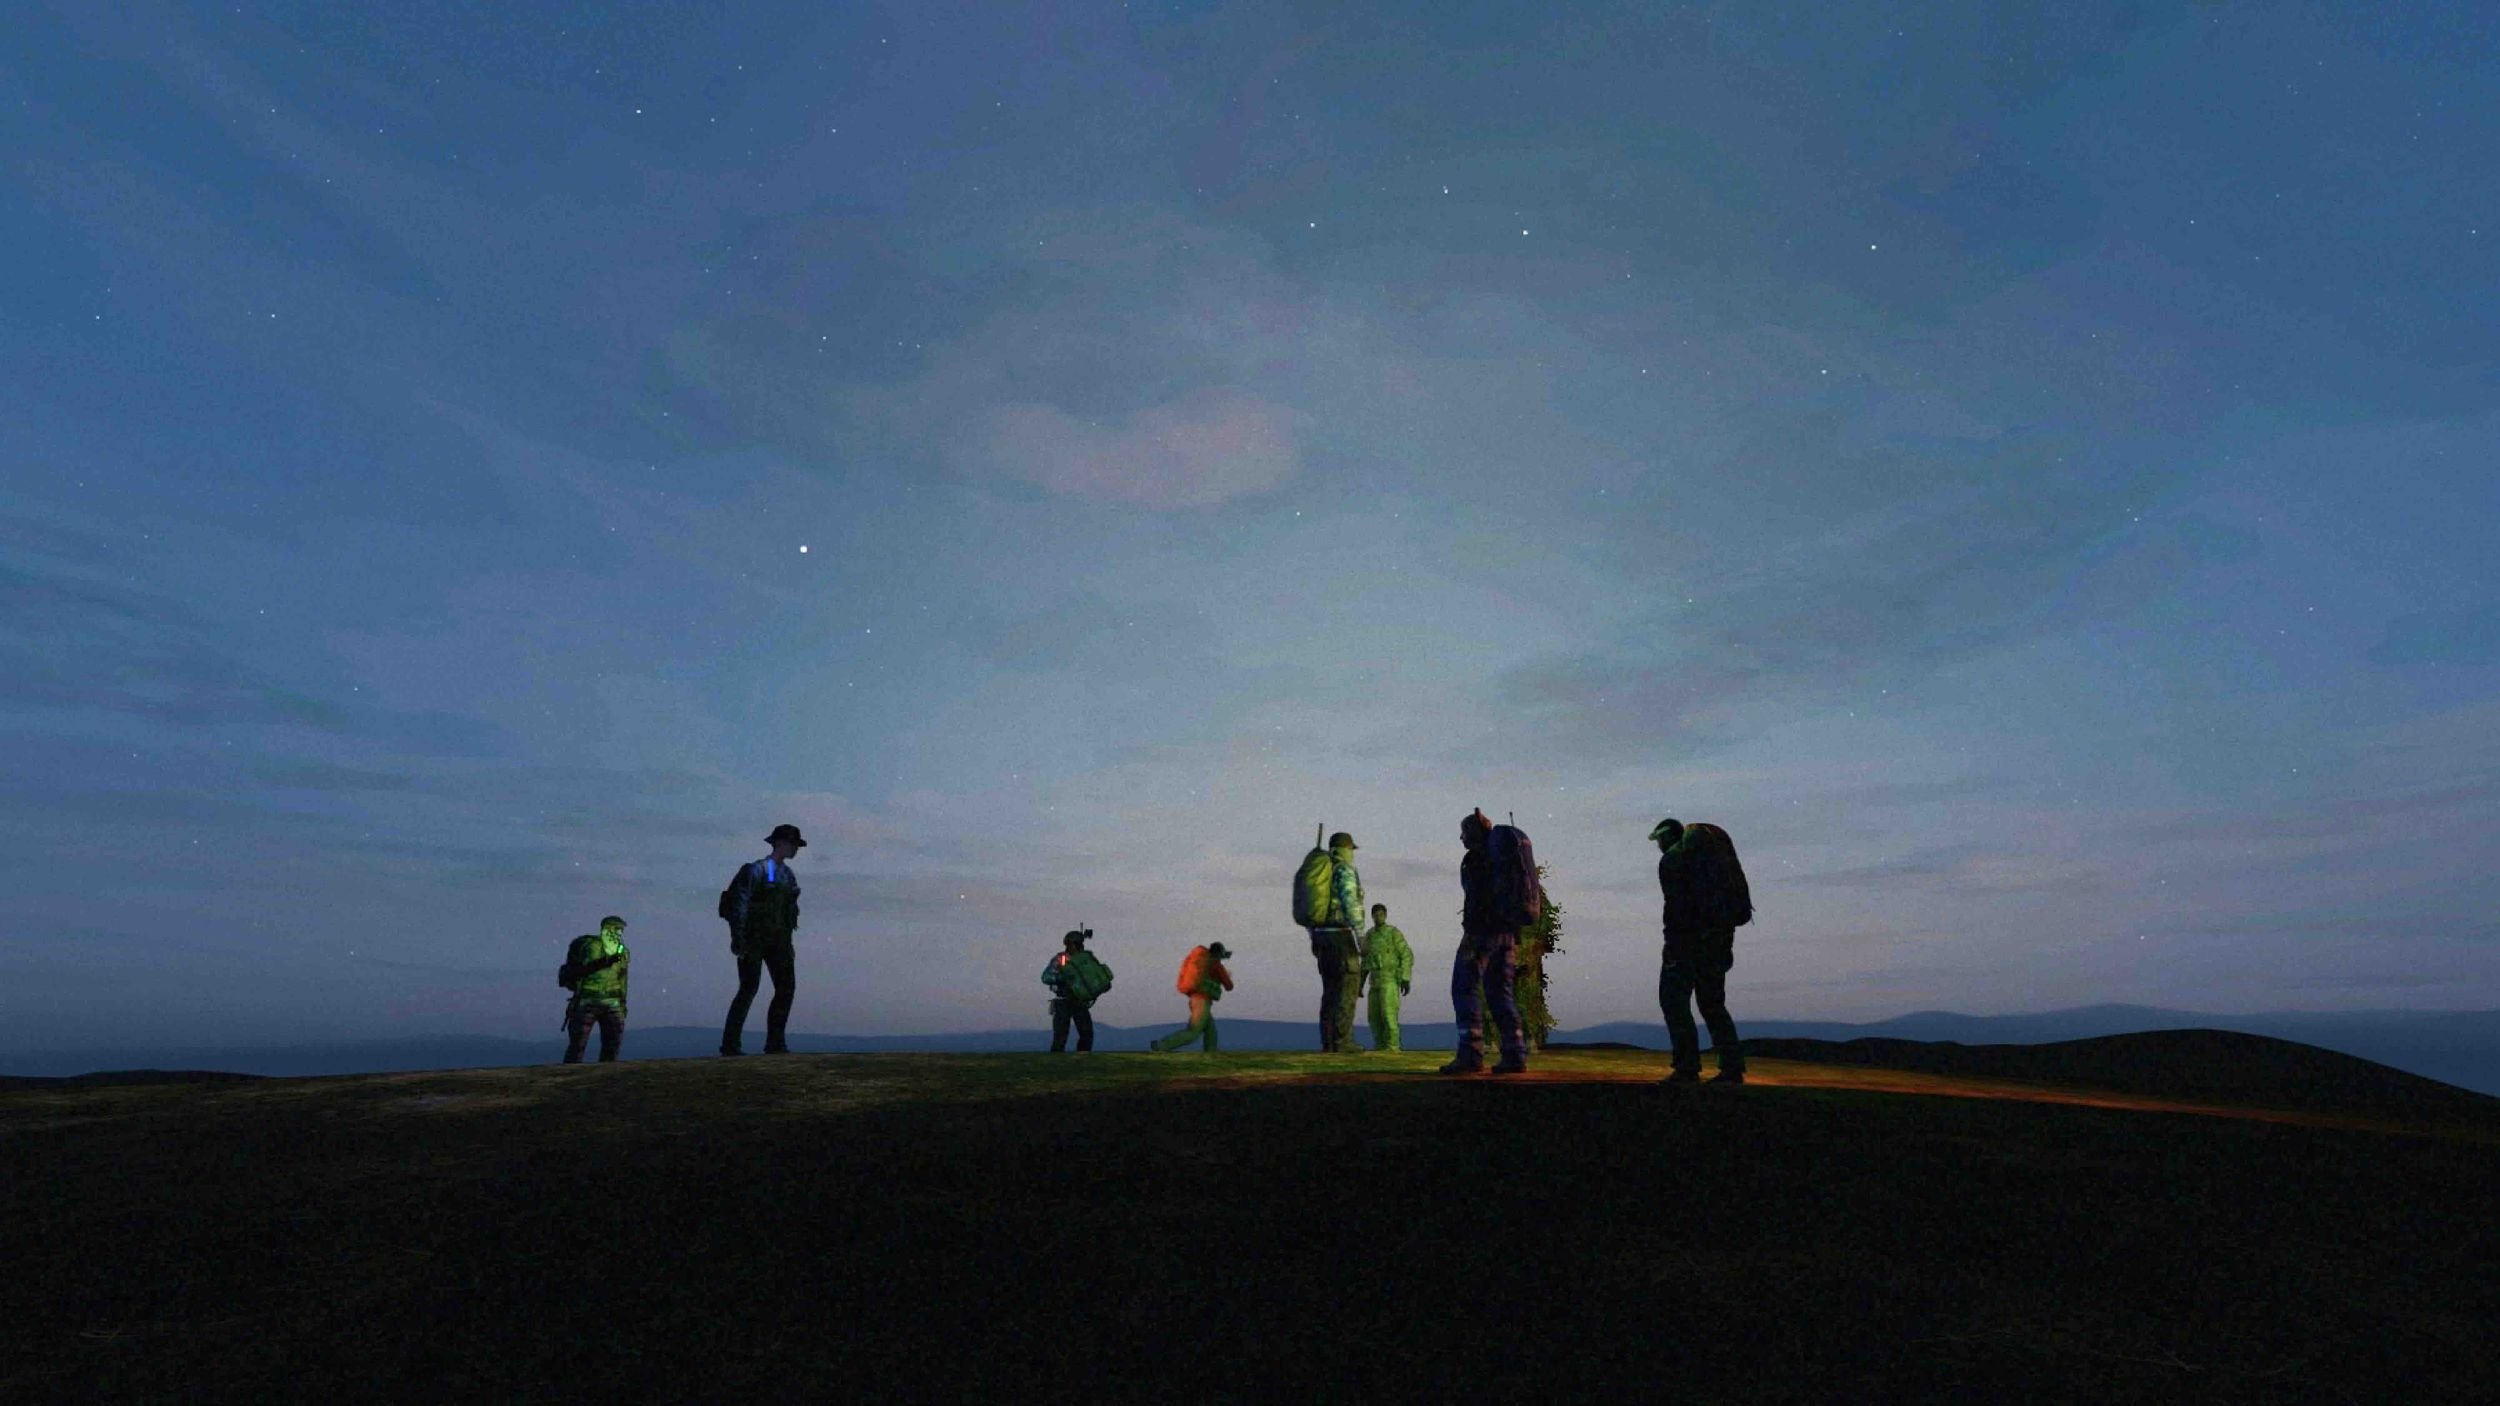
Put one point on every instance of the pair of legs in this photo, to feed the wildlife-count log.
(611, 1023)
(778, 957)
(1700, 978)
(1201, 1024)
(1383, 1014)
(1063, 1013)
(1486, 973)
(1340, 973)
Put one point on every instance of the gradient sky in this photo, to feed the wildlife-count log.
(470, 468)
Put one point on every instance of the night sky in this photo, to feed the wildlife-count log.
(2028, 472)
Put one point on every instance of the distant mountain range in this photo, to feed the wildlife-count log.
(2454, 1047)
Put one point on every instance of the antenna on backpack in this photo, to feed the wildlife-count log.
(1319, 837)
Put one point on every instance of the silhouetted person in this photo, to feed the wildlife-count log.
(1388, 972)
(1488, 956)
(1704, 899)
(594, 971)
(762, 906)
(1204, 981)
(1334, 947)
(1075, 978)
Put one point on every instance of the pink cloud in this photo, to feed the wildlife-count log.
(1203, 449)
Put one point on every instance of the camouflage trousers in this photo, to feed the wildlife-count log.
(577, 1024)
(1340, 977)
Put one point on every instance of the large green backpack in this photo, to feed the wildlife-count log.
(1315, 888)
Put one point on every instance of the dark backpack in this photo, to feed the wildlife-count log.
(729, 897)
(1518, 899)
(1731, 898)
(569, 975)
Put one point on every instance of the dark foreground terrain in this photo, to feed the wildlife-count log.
(1013, 1228)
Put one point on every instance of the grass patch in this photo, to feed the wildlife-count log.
(1123, 1225)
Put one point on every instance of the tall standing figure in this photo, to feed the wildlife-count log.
(1499, 882)
(1328, 902)
(1704, 899)
(762, 906)
(1388, 971)
(1075, 978)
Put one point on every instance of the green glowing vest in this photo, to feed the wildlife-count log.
(606, 986)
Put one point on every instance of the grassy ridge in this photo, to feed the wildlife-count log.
(1014, 1226)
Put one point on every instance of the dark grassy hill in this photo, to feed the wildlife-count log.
(2217, 1066)
(1003, 1227)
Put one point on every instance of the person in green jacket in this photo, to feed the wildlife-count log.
(1389, 970)
(594, 971)
(1075, 978)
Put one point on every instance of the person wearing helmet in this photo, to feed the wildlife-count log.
(1336, 950)
(762, 906)
(1075, 978)
(1389, 971)
(1703, 900)
(594, 971)
(1204, 981)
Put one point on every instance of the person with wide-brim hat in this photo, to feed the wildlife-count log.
(761, 905)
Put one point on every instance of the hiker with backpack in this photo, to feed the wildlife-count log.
(1704, 900)
(1204, 981)
(594, 971)
(1328, 904)
(1501, 896)
(1388, 970)
(1075, 978)
(761, 906)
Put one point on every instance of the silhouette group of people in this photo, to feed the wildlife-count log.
(1703, 894)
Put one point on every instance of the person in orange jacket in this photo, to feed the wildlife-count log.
(1204, 981)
